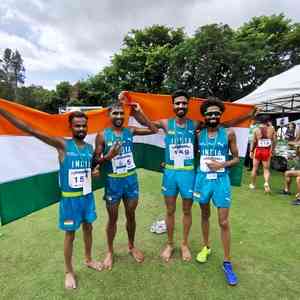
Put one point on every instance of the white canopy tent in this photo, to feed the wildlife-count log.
(278, 94)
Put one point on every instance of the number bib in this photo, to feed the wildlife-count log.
(180, 153)
(81, 178)
(204, 159)
(122, 163)
(264, 143)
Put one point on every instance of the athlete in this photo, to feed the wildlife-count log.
(179, 171)
(77, 205)
(212, 180)
(262, 147)
(114, 149)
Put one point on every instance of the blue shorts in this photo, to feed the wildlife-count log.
(219, 190)
(178, 181)
(76, 210)
(118, 188)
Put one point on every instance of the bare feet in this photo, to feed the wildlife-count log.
(95, 265)
(137, 254)
(70, 282)
(108, 261)
(185, 253)
(167, 253)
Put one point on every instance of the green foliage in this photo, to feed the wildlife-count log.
(12, 72)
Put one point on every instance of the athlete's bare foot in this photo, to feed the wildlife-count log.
(108, 261)
(185, 253)
(70, 281)
(166, 254)
(137, 254)
(95, 265)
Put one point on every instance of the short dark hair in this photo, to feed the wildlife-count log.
(77, 114)
(211, 101)
(115, 104)
(179, 93)
(263, 119)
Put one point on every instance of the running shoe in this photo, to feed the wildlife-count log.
(203, 255)
(229, 274)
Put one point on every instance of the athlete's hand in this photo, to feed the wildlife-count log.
(96, 171)
(114, 150)
(136, 107)
(214, 165)
(251, 154)
(123, 97)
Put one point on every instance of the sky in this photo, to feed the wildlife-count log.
(72, 39)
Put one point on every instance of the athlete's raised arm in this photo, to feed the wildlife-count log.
(56, 142)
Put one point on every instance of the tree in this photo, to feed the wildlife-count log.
(12, 73)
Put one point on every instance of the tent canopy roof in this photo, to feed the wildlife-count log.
(280, 93)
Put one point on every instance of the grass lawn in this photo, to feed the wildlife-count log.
(265, 251)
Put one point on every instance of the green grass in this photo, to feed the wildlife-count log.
(265, 251)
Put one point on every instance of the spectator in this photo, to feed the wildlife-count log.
(288, 175)
(248, 161)
(290, 133)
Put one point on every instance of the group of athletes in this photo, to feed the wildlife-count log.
(185, 140)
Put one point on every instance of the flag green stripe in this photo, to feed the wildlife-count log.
(22, 197)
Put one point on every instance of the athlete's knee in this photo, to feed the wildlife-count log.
(298, 180)
(70, 236)
(224, 223)
(187, 210)
(171, 210)
(205, 214)
(87, 227)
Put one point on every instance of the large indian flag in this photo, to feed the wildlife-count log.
(29, 168)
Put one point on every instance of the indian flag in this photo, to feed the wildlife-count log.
(29, 167)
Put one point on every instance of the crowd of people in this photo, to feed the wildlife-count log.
(262, 141)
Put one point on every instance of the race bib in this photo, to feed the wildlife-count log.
(180, 153)
(122, 163)
(87, 184)
(264, 143)
(204, 159)
(77, 177)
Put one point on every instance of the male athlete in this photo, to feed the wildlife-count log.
(121, 182)
(212, 180)
(262, 147)
(77, 205)
(179, 171)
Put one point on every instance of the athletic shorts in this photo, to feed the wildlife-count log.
(219, 190)
(178, 181)
(263, 154)
(118, 188)
(76, 210)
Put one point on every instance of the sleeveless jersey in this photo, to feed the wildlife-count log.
(179, 143)
(123, 163)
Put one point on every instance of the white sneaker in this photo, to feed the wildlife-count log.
(252, 186)
(159, 227)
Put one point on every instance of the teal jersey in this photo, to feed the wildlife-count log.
(179, 145)
(75, 166)
(213, 148)
(123, 162)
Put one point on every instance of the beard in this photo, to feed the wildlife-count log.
(210, 124)
(180, 113)
(118, 122)
(80, 135)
